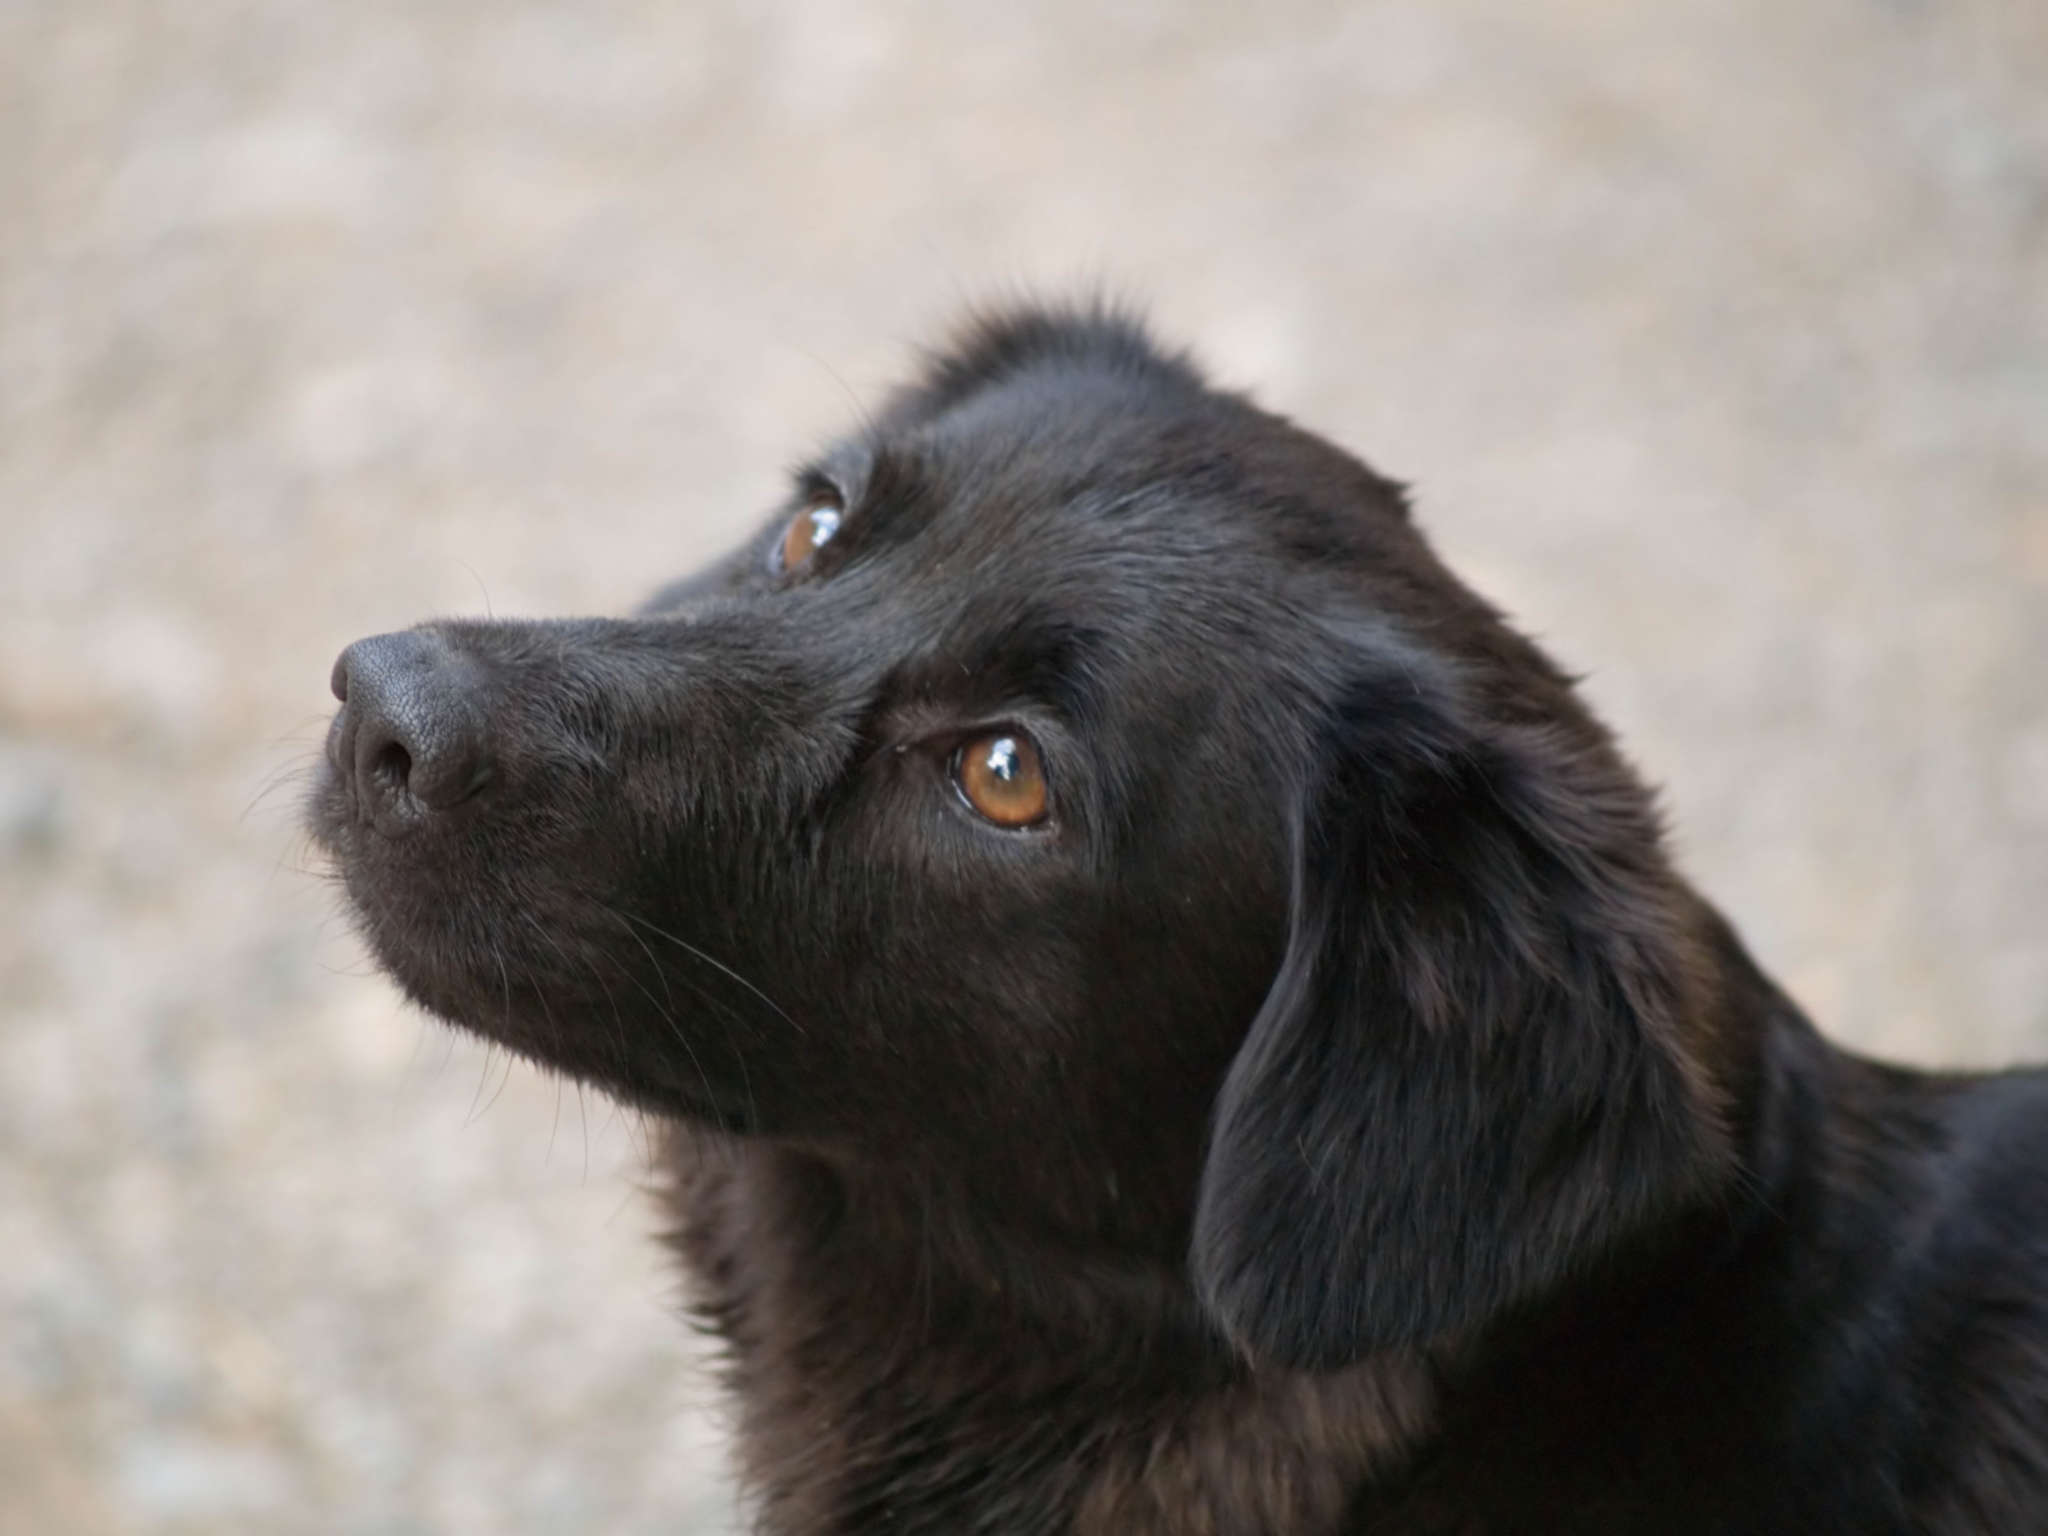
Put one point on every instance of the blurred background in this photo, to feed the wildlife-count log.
(1713, 334)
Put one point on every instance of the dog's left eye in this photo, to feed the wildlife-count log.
(810, 530)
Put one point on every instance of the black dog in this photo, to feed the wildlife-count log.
(1176, 1019)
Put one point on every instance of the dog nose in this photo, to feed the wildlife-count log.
(412, 737)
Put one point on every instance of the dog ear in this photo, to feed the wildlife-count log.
(1467, 1083)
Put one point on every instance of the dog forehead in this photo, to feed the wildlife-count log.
(1072, 420)
(1086, 528)
(1059, 467)
(1107, 507)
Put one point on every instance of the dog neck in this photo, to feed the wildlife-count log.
(892, 1372)
(889, 1376)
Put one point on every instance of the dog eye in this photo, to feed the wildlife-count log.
(810, 530)
(1001, 779)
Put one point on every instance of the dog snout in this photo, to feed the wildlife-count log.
(412, 739)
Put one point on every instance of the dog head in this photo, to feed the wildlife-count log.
(1088, 790)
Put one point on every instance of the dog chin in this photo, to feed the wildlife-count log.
(503, 999)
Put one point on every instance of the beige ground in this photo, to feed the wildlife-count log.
(1714, 334)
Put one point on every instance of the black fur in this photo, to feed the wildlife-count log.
(1336, 1116)
(1476, 1035)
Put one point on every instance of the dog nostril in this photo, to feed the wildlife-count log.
(391, 767)
(413, 735)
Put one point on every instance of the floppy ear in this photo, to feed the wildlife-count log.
(1467, 1082)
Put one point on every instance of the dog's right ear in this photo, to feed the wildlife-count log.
(1469, 1079)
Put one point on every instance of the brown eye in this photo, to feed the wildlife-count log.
(999, 775)
(810, 530)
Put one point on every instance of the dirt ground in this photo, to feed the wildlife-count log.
(1714, 336)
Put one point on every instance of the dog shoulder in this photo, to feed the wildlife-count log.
(1984, 1313)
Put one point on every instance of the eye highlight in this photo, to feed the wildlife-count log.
(810, 530)
(1000, 777)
